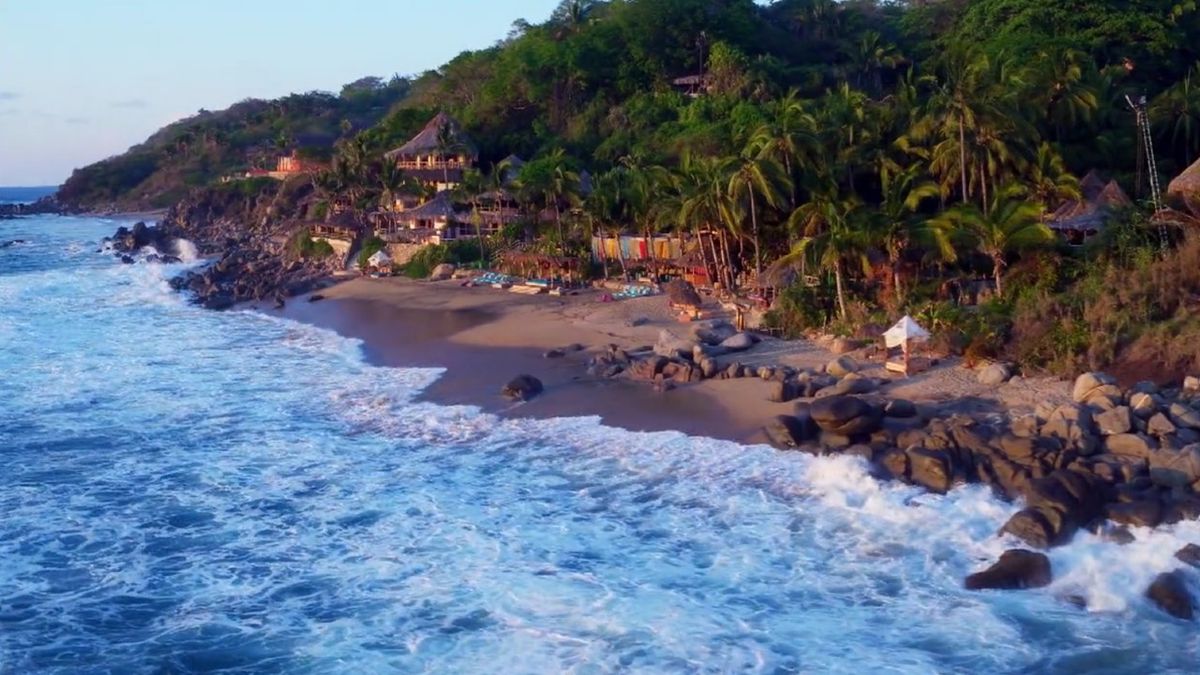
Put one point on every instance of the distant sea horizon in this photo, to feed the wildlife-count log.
(17, 194)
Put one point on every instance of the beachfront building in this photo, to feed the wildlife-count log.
(694, 86)
(1078, 220)
(438, 155)
(435, 221)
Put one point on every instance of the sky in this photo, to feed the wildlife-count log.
(81, 80)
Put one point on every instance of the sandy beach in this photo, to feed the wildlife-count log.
(484, 336)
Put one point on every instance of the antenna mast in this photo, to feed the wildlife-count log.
(1147, 142)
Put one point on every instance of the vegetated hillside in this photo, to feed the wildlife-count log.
(199, 149)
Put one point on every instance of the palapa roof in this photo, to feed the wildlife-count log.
(426, 140)
(441, 206)
(1186, 188)
(1099, 200)
(681, 292)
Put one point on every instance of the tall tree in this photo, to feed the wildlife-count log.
(1010, 225)
(756, 177)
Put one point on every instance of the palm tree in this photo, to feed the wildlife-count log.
(1063, 89)
(472, 185)
(869, 57)
(832, 230)
(1176, 114)
(757, 176)
(790, 138)
(1047, 180)
(702, 199)
(898, 225)
(448, 144)
(1011, 224)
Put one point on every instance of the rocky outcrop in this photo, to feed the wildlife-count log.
(1016, 569)
(522, 388)
(1171, 595)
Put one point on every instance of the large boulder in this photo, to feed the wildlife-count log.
(673, 346)
(739, 342)
(713, 332)
(442, 272)
(1184, 416)
(1074, 426)
(522, 388)
(845, 415)
(1059, 504)
(1176, 469)
(1016, 569)
(1115, 421)
(1130, 445)
(1189, 554)
(931, 469)
(841, 366)
(994, 374)
(1143, 404)
(1092, 387)
(1170, 593)
(783, 391)
(1141, 513)
(788, 432)
(851, 384)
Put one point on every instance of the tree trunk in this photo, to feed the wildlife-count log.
(896, 280)
(962, 155)
(621, 256)
(837, 278)
(562, 240)
(998, 269)
(729, 261)
(711, 270)
(983, 187)
(754, 228)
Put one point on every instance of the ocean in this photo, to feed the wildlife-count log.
(23, 195)
(190, 491)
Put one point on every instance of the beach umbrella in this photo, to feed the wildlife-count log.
(906, 330)
(379, 259)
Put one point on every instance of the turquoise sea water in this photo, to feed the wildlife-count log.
(188, 491)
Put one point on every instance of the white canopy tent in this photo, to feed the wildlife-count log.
(906, 330)
(379, 259)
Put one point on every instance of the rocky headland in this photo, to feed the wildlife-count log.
(244, 238)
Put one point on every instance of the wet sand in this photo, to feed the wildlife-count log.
(483, 337)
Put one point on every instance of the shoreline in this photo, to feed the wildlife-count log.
(483, 337)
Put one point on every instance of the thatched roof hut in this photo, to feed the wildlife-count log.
(427, 140)
(441, 207)
(1185, 190)
(1090, 213)
(682, 293)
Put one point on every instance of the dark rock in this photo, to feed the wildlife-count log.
(1169, 592)
(1160, 425)
(899, 408)
(1176, 469)
(554, 354)
(931, 469)
(1016, 569)
(1141, 513)
(1183, 416)
(1059, 504)
(784, 391)
(994, 374)
(846, 415)
(713, 332)
(316, 297)
(739, 342)
(841, 366)
(126, 259)
(788, 432)
(1189, 554)
(1130, 445)
(522, 388)
(1115, 421)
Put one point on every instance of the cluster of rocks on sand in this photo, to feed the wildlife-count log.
(1109, 460)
